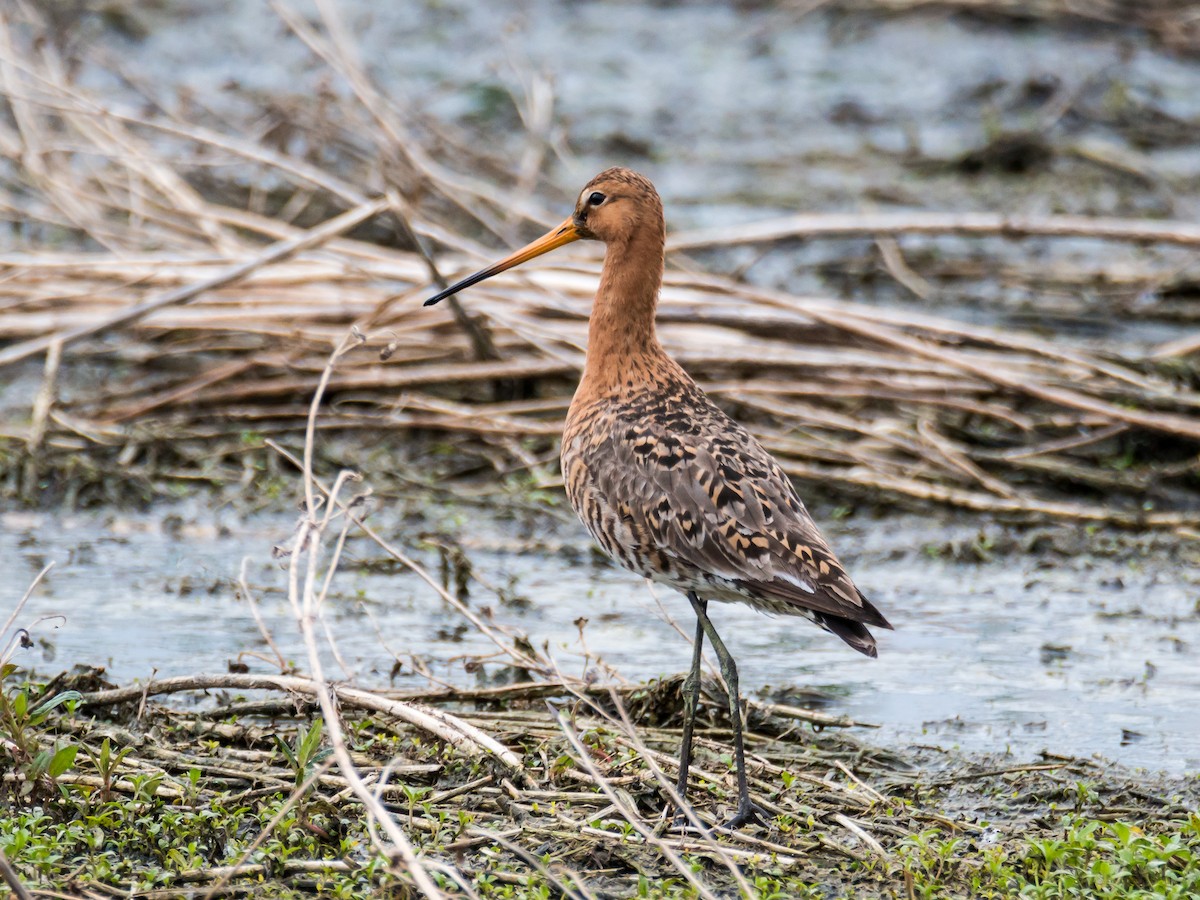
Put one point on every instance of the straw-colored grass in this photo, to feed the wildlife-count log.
(215, 316)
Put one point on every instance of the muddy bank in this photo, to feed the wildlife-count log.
(235, 788)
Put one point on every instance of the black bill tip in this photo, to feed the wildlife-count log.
(465, 283)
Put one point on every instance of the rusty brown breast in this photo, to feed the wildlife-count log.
(669, 485)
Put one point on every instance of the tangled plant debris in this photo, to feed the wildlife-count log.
(217, 308)
(236, 790)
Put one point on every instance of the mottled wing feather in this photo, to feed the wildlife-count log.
(705, 496)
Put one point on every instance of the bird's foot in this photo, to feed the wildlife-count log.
(682, 822)
(747, 814)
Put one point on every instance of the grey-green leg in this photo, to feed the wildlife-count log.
(691, 701)
(746, 811)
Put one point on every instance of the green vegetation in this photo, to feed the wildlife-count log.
(243, 797)
(34, 758)
(1085, 858)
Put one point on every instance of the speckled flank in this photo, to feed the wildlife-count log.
(669, 485)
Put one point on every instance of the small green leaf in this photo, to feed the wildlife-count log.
(105, 755)
(286, 751)
(57, 700)
(38, 766)
(64, 758)
(310, 740)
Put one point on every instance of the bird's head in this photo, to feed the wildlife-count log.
(614, 207)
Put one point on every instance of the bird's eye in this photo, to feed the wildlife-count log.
(595, 199)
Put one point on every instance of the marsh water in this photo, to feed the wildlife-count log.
(1062, 640)
(741, 112)
(1073, 640)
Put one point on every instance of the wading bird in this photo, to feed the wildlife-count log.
(670, 486)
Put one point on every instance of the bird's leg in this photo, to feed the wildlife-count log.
(746, 811)
(691, 699)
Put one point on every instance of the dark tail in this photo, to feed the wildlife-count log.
(853, 633)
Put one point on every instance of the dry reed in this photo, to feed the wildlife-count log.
(219, 309)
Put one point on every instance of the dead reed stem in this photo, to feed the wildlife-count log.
(874, 225)
(222, 314)
(302, 594)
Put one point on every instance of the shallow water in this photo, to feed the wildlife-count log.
(724, 104)
(1080, 654)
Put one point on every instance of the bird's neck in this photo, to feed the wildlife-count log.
(622, 343)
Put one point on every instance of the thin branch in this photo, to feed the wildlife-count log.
(808, 226)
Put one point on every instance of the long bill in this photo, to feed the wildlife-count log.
(563, 234)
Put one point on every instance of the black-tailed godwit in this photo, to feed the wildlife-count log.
(670, 486)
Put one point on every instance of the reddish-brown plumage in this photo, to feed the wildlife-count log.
(669, 485)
